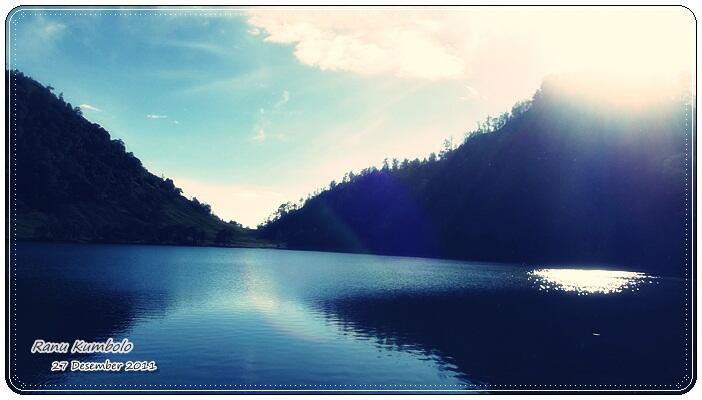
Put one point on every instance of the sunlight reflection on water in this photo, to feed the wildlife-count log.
(588, 281)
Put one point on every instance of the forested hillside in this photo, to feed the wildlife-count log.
(559, 179)
(72, 182)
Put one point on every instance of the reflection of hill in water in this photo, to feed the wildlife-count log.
(59, 309)
(64, 316)
(485, 323)
(531, 337)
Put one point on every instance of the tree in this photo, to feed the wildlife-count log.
(69, 163)
(448, 147)
(513, 193)
(520, 108)
(225, 235)
(283, 209)
(202, 207)
(386, 167)
(502, 120)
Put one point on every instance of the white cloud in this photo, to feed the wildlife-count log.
(37, 35)
(53, 29)
(510, 44)
(246, 83)
(284, 98)
(156, 116)
(260, 136)
(396, 43)
(214, 49)
(89, 107)
(471, 93)
(263, 120)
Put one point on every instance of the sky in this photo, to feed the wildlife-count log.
(246, 109)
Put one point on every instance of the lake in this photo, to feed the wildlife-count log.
(244, 319)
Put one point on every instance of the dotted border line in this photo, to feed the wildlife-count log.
(331, 385)
(21, 13)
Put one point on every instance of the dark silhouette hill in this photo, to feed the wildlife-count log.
(72, 182)
(560, 179)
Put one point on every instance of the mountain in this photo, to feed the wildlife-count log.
(72, 182)
(561, 179)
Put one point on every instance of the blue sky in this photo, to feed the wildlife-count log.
(247, 109)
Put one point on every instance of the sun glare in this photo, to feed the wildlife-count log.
(588, 281)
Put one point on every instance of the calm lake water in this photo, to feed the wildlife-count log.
(229, 317)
